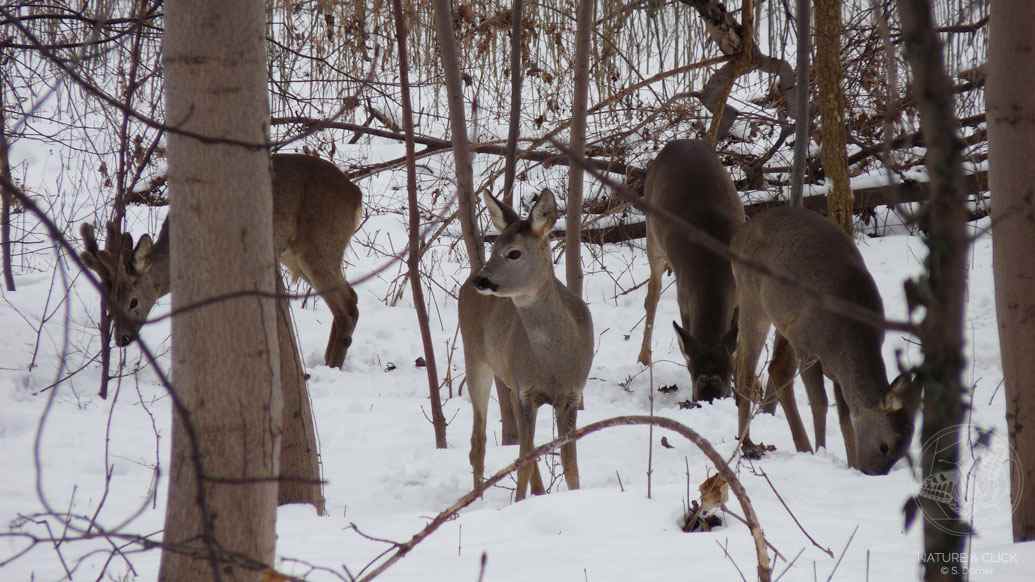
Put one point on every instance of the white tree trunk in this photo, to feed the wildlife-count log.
(1011, 133)
(226, 365)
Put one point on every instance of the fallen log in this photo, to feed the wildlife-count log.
(864, 199)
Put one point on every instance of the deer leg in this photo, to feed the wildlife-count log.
(650, 304)
(847, 431)
(342, 301)
(812, 375)
(526, 414)
(510, 431)
(753, 327)
(780, 386)
(781, 369)
(566, 417)
(478, 379)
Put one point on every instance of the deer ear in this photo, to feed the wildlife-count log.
(501, 214)
(687, 343)
(729, 341)
(904, 395)
(544, 214)
(142, 254)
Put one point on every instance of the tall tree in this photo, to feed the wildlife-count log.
(832, 111)
(458, 125)
(221, 511)
(1011, 132)
(438, 420)
(801, 103)
(941, 291)
(573, 237)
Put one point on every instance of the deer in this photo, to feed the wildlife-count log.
(687, 180)
(519, 323)
(877, 418)
(316, 210)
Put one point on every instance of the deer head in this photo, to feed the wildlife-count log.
(520, 262)
(129, 277)
(883, 433)
(710, 366)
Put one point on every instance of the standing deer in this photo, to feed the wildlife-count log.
(687, 180)
(519, 323)
(876, 419)
(316, 209)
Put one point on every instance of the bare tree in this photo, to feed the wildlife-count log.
(801, 93)
(573, 241)
(226, 436)
(6, 198)
(1011, 127)
(832, 111)
(438, 420)
(941, 291)
(458, 125)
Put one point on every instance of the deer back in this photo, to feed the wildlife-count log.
(687, 179)
(815, 253)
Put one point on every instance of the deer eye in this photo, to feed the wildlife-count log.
(514, 254)
(884, 449)
(133, 303)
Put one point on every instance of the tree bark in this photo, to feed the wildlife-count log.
(438, 419)
(301, 481)
(942, 294)
(221, 512)
(458, 126)
(832, 111)
(573, 243)
(801, 92)
(1011, 130)
(6, 198)
(517, 75)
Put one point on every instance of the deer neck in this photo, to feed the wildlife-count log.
(709, 308)
(542, 311)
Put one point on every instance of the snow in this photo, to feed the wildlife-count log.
(384, 476)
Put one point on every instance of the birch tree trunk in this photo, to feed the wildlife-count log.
(226, 436)
(1011, 132)
(832, 111)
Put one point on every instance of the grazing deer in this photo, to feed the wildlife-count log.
(876, 419)
(519, 323)
(687, 180)
(316, 209)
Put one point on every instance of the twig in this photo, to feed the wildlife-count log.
(843, 550)
(794, 517)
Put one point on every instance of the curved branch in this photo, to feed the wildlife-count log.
(702, 443)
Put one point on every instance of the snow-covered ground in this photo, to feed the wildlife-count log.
(384, 475)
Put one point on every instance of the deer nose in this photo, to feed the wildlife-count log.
(123, 340)
(484, 284)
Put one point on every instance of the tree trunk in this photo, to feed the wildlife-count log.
(458, 126)
(221, 512)
(832, 111)
(1011, 130)
(301, 481)
(573, 242)
(801, 92)
(517, 75)
(438, 419)
(942, 294)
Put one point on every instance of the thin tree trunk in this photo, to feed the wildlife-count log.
(301, 481)
(943, 294)
(1011, 132)
(438, 420)
(458, 125)
(573, 242)
(801, 90)
(517, 75)
(6, 198)
(832, 111)
(226, 366)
